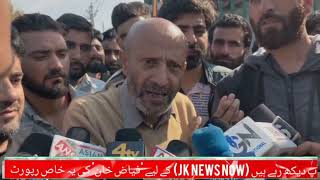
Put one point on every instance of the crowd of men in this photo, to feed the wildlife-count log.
(165, 76)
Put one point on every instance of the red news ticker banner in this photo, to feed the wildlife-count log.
(37, 167)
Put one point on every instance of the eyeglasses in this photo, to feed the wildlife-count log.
(83, 47)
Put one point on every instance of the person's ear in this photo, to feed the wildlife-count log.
(125, 62)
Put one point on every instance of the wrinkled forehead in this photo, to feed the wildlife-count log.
(158, 48)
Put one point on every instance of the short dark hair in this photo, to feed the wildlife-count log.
(110, 34)
(75, 22)
(36, 22)
(313, 21)
(16, 43)
(233, 21)
(97, 35)
(171, 9)
(125, 11)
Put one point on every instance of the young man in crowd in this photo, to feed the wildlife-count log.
(45, 65)
(194, 17)
(148, 100)
(230, 39)
(124, 15)
(111, 50)
(79, 36)
(285, 77)
(96, 66)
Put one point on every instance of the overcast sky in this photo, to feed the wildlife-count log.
(56, 8)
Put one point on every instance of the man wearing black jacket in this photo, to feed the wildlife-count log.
(285, 77)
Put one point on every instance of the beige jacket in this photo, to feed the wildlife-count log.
(101, 115)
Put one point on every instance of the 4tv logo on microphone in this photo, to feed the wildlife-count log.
(122, 150)
(125, 149)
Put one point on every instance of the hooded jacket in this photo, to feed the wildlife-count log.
(294, 97)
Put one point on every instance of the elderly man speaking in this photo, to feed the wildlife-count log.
(148, 100)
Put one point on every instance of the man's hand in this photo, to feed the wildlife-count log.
(307, 149)
(228, 109)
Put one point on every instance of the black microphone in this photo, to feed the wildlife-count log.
(128, 134)
(263, 114)
(128, 143)
(79, 133)
(179, 148)
(36, 144)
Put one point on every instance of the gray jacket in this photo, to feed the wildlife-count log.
(294, 97)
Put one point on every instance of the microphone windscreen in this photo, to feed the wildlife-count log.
(79, 133)
(36, 144)
(179, 148)
(210, 141)
(262, 114)
(128, 134)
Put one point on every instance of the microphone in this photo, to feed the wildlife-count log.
(79, 133)
(249, 138)
(77, 143)
(210, 141)
(128, 143)
(219, 123)
(36, 144)
(175, 148)
(263, 114)
(179, 148)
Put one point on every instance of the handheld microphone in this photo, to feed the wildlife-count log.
(210, 141)
(36, 144)
(63, 146)
(179, 148)
(248, 138)
(128, 143)
(79, 134)
(263, 114)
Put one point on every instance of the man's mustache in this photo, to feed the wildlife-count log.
(8, 104)
(55, 73)
(270, 15)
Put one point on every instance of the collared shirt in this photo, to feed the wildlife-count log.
(133, 118)
(200, 95)
(203, 90)
(103, 114)
(88, 85)
(31, 121)
(116, 79)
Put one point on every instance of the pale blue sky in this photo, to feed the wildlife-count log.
(56, 8)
